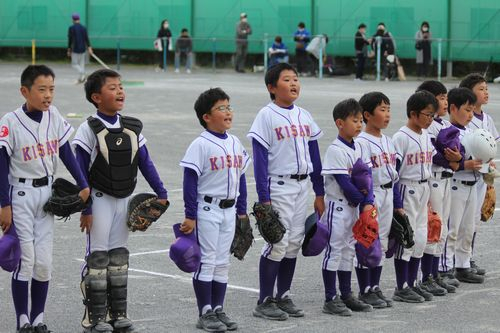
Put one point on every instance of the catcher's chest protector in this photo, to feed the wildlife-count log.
(114, 170)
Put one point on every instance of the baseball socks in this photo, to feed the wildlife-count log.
(426, 265)
(367, 286)
(403, 292)
(20, 298)
(333, 303)
(39, 291)
(268, 272)
(346, 294)
(284, 282)
(208, 319)
(218, 294)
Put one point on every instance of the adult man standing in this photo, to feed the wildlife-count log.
(78, 44)
(243, 29)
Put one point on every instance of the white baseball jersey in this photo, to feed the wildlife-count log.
(415, 152)
(219, 164)
(382, 153)
(285, 134)
(86, 139)
(33, 147)
(486, 123)
(433, 130)
(339, 159)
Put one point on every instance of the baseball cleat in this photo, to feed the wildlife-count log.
(210, 323)
(432, 287)
(467, 275)
(479, 270)
(100, 327)
(422, 292)
(371, 298)
(336, 306)
(286, 304)
(449, 278)
(26, 328)
(442, 283)
(41, 328)
(230, 324)
(380, 295)
(356, 305)
(407, 295)
(269, 310)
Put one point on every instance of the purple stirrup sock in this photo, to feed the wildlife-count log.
(203, 292)
(344, 283)
(218, 294)
(39, 291)
(375, 274)
(426, 265)
(20, 298)
(435, 267)
(413, 270)
(329, 280)
(401, 268)
(268, 271)
(285, 275)
(363, 275)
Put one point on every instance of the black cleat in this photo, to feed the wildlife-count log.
(467, 275)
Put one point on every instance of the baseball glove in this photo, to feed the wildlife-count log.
(433, 226)
(243, 237)
(268, 222)
(488, 207)
(65, 200)
(401, 230)
(365, 230)
(144, 209)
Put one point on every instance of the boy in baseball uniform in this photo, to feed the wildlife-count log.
(477, 83)
(458, 247)
(382, 153)
(285, 152)
(343, 203)
(110, 149)
(214, 192)
(414, 160)
(440, 195)
(32, 138)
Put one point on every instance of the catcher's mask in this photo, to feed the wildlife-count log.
(10, 250)
(185, 251)
(316, 237)
(369, 257)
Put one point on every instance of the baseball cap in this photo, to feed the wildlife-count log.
(75, 16)
(243, 15)
(10, 250)
(185, 251)
(316, 236)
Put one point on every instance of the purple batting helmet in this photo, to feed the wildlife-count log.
(369, 257)
(10, 250)
(448, 138)
(316, 237)
(361, 176)
(75, 16)
(185, 251)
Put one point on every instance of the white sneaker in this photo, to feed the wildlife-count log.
(176, 70)
(188, 71)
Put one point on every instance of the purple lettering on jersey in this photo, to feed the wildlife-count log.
(55, 146)
(278, 133)
(41, 151)
(429, 157)
(308, 130)
(409, 159)
(294, 130)
(228, 161)
(374, 159)
(213, 163)
(222, 162)
(34, 152)
(393, 159)
(50, 152)
(240, 160)
(26, 154)
(287, 132)
(422, 157)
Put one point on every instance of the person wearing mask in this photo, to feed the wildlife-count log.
(423, 48)
(165, 36)
(243, 29)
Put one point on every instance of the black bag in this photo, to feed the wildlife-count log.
(419, 45)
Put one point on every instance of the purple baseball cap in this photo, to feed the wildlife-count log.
(316, 236)
(369, 257)
(10, 250)
(361, 176)
(75, 16)
(185, 251)
(448, 138)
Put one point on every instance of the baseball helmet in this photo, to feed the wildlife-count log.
(369, 257)
(316, 236)
(10, 250)
(361, 176)
(481, 145)
(185, 251)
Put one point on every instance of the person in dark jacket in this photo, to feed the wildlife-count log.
(423, 48)
(183, 45)
(78, 45)
(166, 38)
(360, 45)
(243, 29)
(387, 50)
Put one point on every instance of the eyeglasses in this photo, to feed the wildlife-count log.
(428, 115)
(224, 108)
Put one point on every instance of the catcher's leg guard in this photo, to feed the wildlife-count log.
(117, 290)
(94, 290)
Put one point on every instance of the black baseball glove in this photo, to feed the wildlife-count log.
(65, 199)
(243, 237)
(144, 209)
(268, 222)
(401, 230)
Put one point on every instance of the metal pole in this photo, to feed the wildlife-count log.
(440, 43)
(33, 52)
(118, 55)
(320, 60)
(379, 42)
(265, 52)
(214, 53)
(449, 31)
